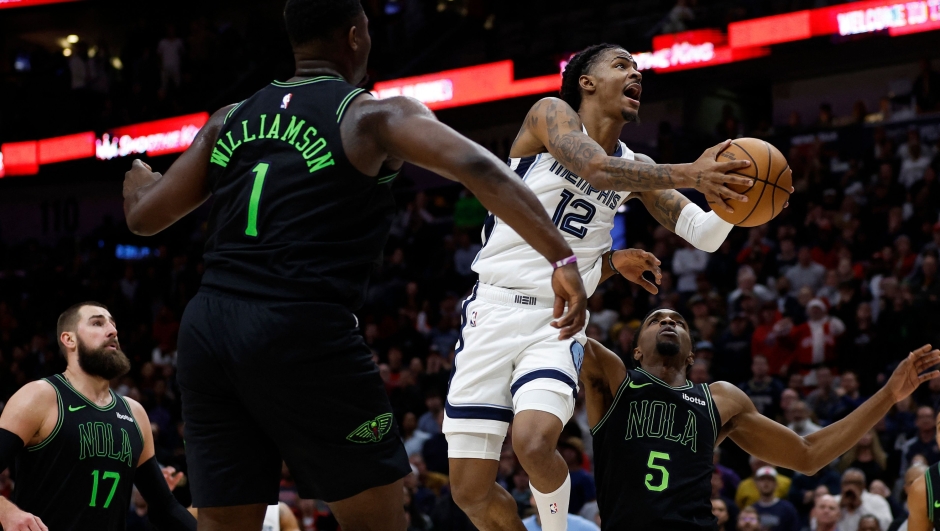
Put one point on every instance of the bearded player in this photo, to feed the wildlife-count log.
(78, 447)
(654, 431)
(510, 365)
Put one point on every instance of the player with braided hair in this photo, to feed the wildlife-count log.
(509, 365)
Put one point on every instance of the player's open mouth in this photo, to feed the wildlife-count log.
(633, 91)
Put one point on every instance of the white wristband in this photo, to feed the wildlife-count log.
(706, 231)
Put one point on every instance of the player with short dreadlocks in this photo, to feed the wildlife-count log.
(509, 364)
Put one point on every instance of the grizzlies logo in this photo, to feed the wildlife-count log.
(577, 355)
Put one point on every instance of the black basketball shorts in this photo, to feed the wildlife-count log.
(265, 382)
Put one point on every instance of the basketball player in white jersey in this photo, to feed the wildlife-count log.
(510, 364)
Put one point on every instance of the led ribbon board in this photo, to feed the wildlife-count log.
(160, 137)
(5, 4)
(892, 17)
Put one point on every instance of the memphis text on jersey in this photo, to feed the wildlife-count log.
(656, 419)
(305, 140)
(608, 198)
(96, 439)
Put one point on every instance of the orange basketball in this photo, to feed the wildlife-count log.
(771, 188)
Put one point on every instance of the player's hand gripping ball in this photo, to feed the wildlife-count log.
(770, 192)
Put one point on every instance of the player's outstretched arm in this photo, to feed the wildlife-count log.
(917, 506)
(772, 442)
(557, 127)
(673, 210)
(602, 373)
(164, 512)
(21, 423)
(406, 130)
(153, 202)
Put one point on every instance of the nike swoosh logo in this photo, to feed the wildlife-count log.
(632, 385)
(75, 408)
(936, 505)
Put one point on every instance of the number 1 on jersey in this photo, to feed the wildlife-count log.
(260, 171)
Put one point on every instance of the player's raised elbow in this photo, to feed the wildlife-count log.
(136, 224)
(708, 246)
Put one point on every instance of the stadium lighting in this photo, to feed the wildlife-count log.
(67, 52)
(72, 39)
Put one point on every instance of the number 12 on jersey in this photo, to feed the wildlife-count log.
(565, 222)
(260, 171)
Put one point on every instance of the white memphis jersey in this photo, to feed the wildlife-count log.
(583, 214)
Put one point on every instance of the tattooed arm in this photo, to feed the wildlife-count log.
(704, 230)
(664, 205)
(554, 126)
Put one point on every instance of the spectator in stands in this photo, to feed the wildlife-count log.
(747, 284)
(850, 398)
(857, 502)
(602, 317)
(924, 443)
(926, 88)
(733, 350)
(915, 158)
(729, 478)
(868, 456)
(803, 489)
(823, 401)
(435, 404)
(764, 341)
(705, 326)
(748, 494)
(806, 272)
(763, 390)
(787, 304)
(170, 50)
(827, 513)
(815, 340)
(410, 434)
(775, 514)
(679, 18)
(582, 482)
(687, 263)
(798, 416)
(720, 511)
(749, 520)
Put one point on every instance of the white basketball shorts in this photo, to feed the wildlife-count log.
(507, 347)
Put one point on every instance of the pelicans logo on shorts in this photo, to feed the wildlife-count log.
(373, 430)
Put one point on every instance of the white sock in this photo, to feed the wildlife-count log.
(553, 508)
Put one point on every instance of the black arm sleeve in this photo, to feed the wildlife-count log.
(10, 445)
(164, 511)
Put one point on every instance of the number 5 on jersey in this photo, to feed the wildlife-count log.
(260, 171)
(651, 463)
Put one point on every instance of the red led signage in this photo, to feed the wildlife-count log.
(893, 17)
(171, 135)
(27, 3)
(467, 86)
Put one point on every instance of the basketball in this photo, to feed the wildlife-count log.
(772, 179)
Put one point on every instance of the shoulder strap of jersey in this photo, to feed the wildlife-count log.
(932, 480)
(58, 425)
(130, 413)
(712, 410)
(613, 405)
